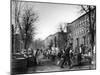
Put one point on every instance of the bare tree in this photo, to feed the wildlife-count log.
(60, 28)
(28, 25)
(25, 19)
(12, 34)
(16, 15)
(62, 42)
(38, 44)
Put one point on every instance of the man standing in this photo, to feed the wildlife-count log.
(66, 56)
(80, 55)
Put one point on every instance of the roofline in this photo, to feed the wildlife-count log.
(82, 16)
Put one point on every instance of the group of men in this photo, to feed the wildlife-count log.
(69, 54)
(65, 55)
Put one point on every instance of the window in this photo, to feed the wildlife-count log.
(85, 23)
(87, 19)
(87, 30)
(76, 25)
(80, 22)
(92, 18)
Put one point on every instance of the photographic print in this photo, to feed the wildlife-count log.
(52, 37)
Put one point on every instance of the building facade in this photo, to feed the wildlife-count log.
(79, 29)
(56, 40)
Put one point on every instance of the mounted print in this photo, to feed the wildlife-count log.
(52, 37)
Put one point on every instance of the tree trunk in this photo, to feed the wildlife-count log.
(91, 28)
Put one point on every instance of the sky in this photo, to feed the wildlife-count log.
(51, 15)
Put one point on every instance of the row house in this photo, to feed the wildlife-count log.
(79, 29)
(57, 40)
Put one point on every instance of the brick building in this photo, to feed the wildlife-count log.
(79, 29)
(56, 40)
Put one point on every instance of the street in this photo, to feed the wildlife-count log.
(50, 66)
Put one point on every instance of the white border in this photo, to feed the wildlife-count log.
(5, 36)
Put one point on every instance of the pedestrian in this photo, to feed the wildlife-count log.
(36, 56)
(80, 56)
(66, 56)
(71, 58)
(60, 53)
